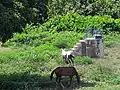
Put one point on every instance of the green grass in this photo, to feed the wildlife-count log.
(38, 69)
(112, 39)
(34, 64)
(33, 54)
(102, 87)
(83, 60)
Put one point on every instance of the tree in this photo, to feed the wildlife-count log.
(15, 14)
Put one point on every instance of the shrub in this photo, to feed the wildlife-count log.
(111, 39)
(66, 39)
(84, 7)
(84, 60)
(78, 23)
(49, 31)
(42, 53)
(30, 36)
(116, 80)
(35, 37)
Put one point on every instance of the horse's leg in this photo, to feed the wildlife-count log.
(78, 78)
(60, 83)
(71, 79)
(59, 79)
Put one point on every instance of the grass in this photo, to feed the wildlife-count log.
(102, 87)
(34, 64)
(101, 70)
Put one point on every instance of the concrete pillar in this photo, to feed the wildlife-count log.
(83, 48)
(91, 47)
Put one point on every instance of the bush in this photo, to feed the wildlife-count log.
(42, 53)
(15, 14)
(116, 80)
(112, 39)
(78, 23)
(84, 7)
(33, 36)
(84, 60)
(66, 39)
(49, 31)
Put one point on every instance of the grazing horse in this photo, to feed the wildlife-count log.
(65, 71)
(67, 56)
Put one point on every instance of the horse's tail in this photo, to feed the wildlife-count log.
(77, 76)
(51, 76)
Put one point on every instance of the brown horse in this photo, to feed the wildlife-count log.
(65, 71)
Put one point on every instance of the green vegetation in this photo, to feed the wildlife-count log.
(112, 39)
(83, 60)
(15, 14)
(64, 31)
(102, 86)
(36, 51)
(39, 29)
(84, 7)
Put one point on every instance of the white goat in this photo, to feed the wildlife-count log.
(67, 56)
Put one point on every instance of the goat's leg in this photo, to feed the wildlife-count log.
(71, 58)
(65, 59)
(72, 61)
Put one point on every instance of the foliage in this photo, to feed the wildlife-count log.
(112, 39)
(40, 45)
(15, 14)
(34, 64)
(6, 20)
(56, 30)
(42, 53)
(116, 80)
(66, 39)
(103, 86)
(33, 36)
(102, 74)
(78, 23)
(83, 60)
(84, 7)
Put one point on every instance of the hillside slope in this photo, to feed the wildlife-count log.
(103, 73)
